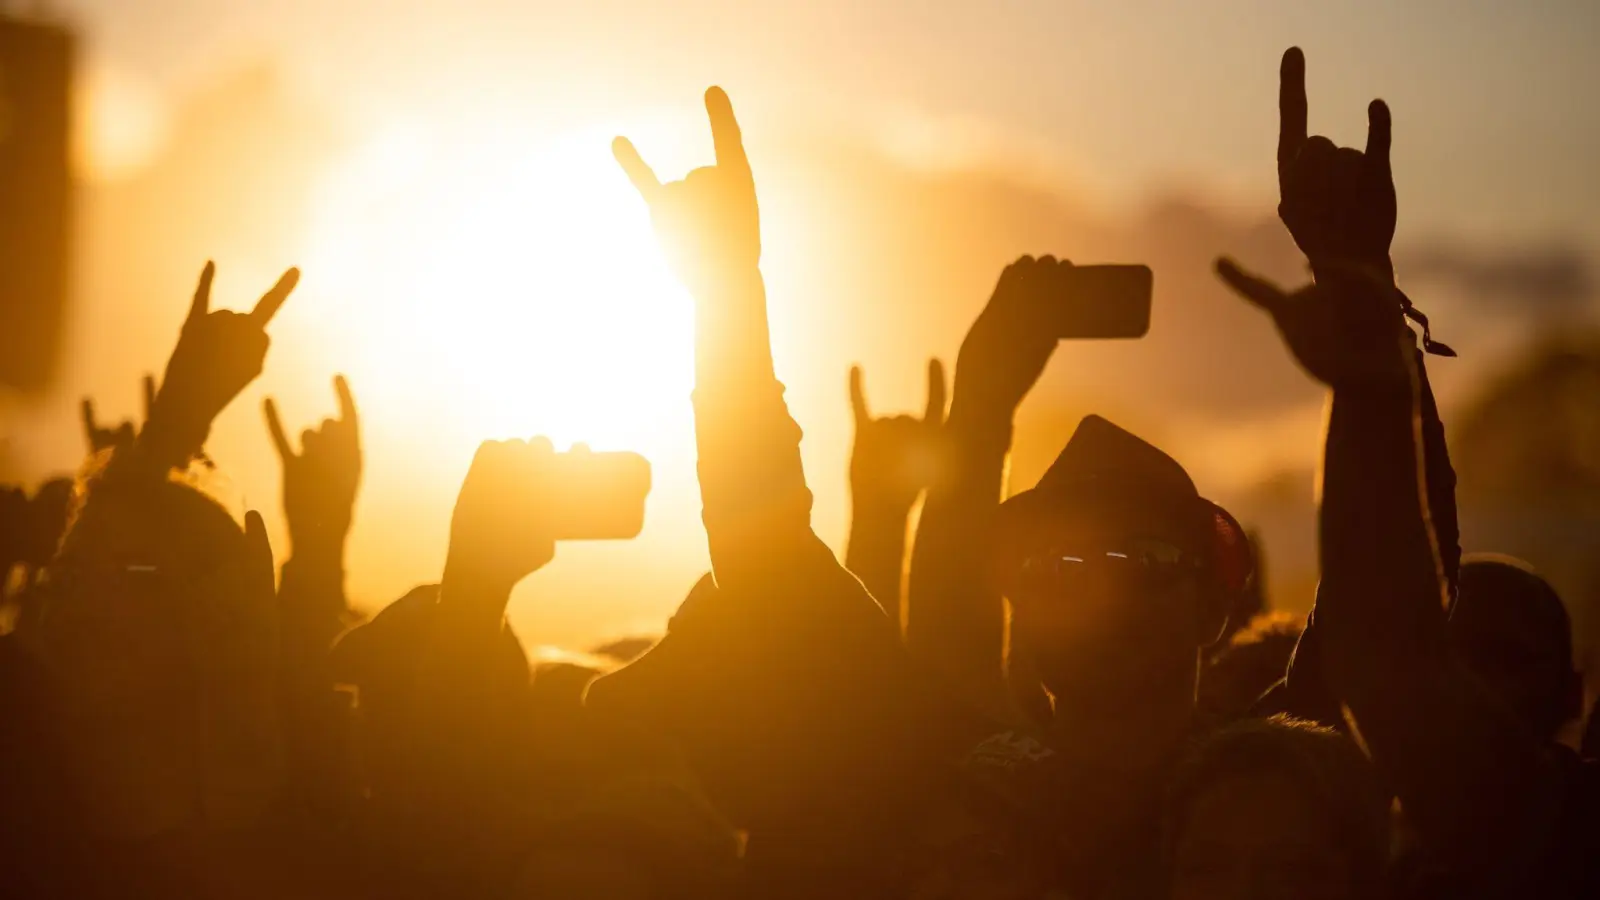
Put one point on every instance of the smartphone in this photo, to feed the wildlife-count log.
(598, 496)
(1105, 302)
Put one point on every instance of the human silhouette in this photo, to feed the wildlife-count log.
(893, 460)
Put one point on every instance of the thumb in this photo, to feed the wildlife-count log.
(257, 546)
(201, 304)
(858, 397)
(86, 411)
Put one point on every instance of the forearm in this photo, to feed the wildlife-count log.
(1441, 482)
(756, 506)
(316, 715)
(1305, 692)
(876, 553)
(1476, 788)
(471, 679)
(1381, 584)
(733, 344)
(955, 617)
(311, 595)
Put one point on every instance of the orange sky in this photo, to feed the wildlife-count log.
(440, 171)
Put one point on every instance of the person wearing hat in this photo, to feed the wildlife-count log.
(1119, 574)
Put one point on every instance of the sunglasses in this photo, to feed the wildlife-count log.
(1137, 564)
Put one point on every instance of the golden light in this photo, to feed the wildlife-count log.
(497, 283)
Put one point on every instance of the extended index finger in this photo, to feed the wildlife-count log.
(858, 397)
(275, 428)
(347, 401)
(1378, 135)
(1291, 108)
(639, 172)
(725, 136)
(268, 305)
(86, 409)
(201, 304)
(934, 412)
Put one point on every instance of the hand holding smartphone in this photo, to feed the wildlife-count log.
(520, 497)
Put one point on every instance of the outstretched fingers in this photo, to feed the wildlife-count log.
(858, 398)
(933, 413)
(1378, 135)
(272, 300)
(90, 427)
(201, 304)
(149, 395)
(347, 401)
(638, 171)
(280, 440)
(1291, 109)
(725, 135)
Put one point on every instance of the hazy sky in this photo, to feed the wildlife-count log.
(1118, 130)
(1497, 129)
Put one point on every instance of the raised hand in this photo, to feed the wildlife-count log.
(708, 223)
(1009, 344)
(320, 482)
(1337, 202)
(1347, 330)
(498, 534)
(895, 457)
(218, 354)
(123, 435)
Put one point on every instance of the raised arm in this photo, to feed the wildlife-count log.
(218, 354)
(99, 437)
(955, 618)
(756, 507)
(893, 460)
(1481, 792)
(1339, 204)
(319, 494)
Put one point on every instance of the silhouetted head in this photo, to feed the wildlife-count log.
(1276, 808)
(158, 628)
(1117, 570)
(1513, 632)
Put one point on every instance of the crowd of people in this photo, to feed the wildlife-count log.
(1074, 692)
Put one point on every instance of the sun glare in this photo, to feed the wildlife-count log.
(505, 284)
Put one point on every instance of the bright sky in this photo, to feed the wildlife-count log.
(474, 238)
(1496, 128)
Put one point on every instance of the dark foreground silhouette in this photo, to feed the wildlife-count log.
(1045, 697)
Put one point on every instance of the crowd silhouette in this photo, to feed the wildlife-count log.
(1077, 692)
